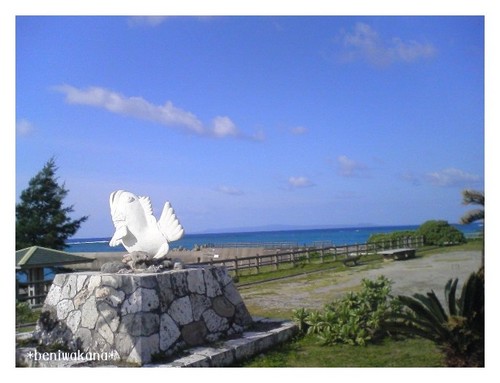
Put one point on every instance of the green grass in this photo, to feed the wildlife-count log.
(302, 267)
(305, 352)
(471, 245)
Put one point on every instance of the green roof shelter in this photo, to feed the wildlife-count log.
(33, 260)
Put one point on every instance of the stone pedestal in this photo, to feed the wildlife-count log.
(140, 318)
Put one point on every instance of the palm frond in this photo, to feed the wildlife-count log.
(472, 216)
(472, 297)
(472, 197)
(450, 295)
(424, 317)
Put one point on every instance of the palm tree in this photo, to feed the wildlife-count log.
(458, 330)
(474, 197)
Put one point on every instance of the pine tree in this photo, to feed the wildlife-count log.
(41, 218)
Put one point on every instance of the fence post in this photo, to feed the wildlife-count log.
(321, 255)
(257, 263)
(276, 263)
(292, 256)
(335, 253)
(236, 266)
(307, 256)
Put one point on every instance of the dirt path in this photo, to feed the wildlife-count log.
(409, 277)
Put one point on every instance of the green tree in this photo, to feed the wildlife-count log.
(440, 233)
(41, 218)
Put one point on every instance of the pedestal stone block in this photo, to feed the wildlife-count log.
(141, 316)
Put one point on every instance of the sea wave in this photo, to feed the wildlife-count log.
(86, 241)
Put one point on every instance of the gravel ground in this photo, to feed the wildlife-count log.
(410, 276)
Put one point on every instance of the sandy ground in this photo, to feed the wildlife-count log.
(313, 291)
(411, 276)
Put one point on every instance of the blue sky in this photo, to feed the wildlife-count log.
(252, 121)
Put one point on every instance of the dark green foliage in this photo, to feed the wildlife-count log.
(473, 197)
(24, 314)
(355, 319)
(41, 218)
(457, 331)
(386, 240)
(300, 316)
(440, 233)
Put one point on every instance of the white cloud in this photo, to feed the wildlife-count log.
(146, 21)
(298, 130)
(299, 182)
(24, 127)
(452, 177)
(349, 168)
(167, 114)
(229, 190)
(364, 43)
(223, 126)
(410, 51)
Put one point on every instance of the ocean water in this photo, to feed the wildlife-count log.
(311, 237)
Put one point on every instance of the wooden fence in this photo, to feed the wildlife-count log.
(35, 292)
(319, 254)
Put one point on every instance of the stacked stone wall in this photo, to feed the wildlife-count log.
(141, 317)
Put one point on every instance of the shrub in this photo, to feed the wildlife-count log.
(458, 331)
(355, 319)
(440, 233)
(24, 313)
(300, 316)
(383, 240)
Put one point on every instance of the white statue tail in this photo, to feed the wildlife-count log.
(169, 224)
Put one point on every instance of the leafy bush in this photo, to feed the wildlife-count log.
(383, 240)
(459, 333)
(24, 313)
(440, 233)
(355, 319)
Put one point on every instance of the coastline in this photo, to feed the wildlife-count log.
(267, 239)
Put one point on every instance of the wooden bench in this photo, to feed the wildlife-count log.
(398, 254)
(352, 260)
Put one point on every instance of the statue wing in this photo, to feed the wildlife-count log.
(169, 225)
(120, 233)
(148, 209)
